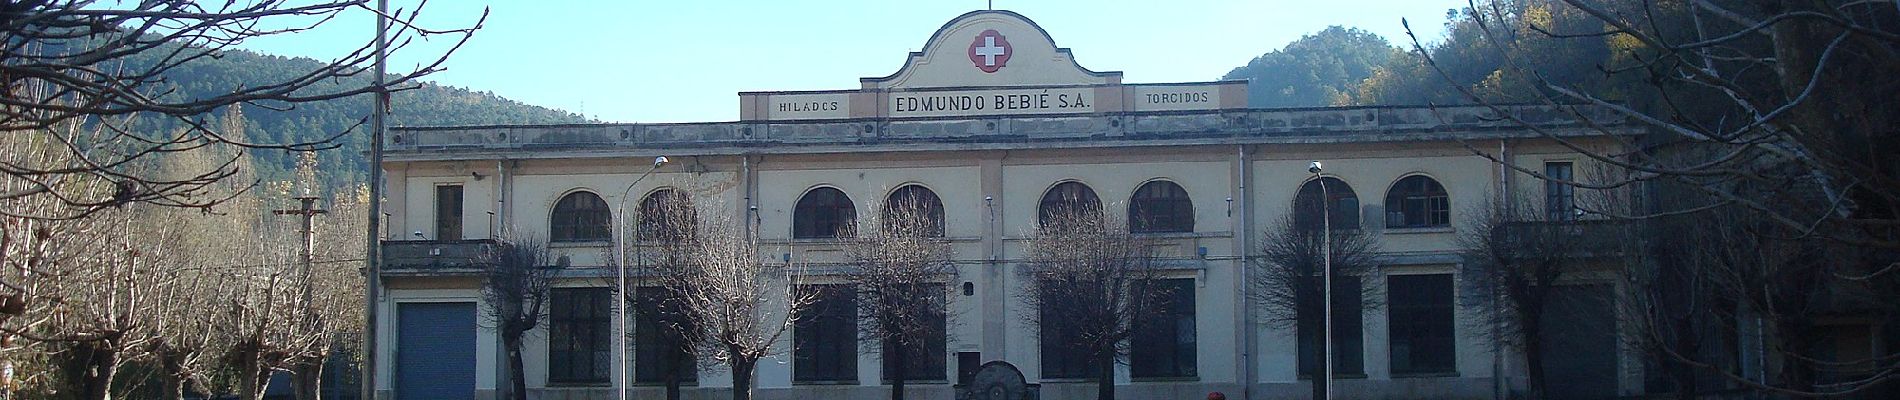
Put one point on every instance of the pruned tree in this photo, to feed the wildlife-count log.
(181, 349)
(111, 288)
(516, 273)
(738, 306)
(332, 302)
(255, 333)
(666, 239)
(1514, 259)
(900, 271)
(211, 301)
(1287, 280)
(1098, 279)
(106, 65)
(85, 298)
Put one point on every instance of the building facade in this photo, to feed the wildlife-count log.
(990, 118)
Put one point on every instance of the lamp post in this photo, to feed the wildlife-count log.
(620, 272)
(1326, 282)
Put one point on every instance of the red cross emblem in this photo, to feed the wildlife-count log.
(990, 51)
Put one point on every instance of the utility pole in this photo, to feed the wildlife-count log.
(305, 256)
(373, 252)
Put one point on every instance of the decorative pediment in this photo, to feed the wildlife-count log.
(987, 64)
(990, 48)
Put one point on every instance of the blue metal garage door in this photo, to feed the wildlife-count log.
(435, 351)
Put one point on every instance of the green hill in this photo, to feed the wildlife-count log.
(1320, 69)
(427, 104)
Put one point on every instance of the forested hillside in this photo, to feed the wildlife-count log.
(1320, 69)
(1342, 66)
(427, 104)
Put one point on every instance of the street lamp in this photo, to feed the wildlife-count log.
(620, 261)
(1326, 281)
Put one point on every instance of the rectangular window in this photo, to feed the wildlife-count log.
(1421, 324)
(448, 212)
(1560, 200)
(1422, 211)
(578, 347)
(825, 336)
(1164, 343)
(925, 361)
(1062, 357)
(1348, 343)
(658, 346)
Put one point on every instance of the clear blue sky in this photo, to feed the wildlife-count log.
(684, 61)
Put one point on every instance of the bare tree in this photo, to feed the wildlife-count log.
(106, 65)
(89, 296)
(1727, 283)
(1777, 112)
(1287, 277)
(899, 273)
(667, 238)
(737, 305)
(1098, 279)
(207, 300)
(1514, 260)
(258, 335)
(183, 334)
(515, 278)
(333, 321)
(111, 289)
(182, 344)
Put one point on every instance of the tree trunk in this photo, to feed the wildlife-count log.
(172, 386)
(1105, 377)
(307, 378)
(671, 362)
(100, 362)
(1795, 373)
(1687, 345)
(256, 378)
(1534, 362)
(742, 379)
(516, 387)
(672, 380)
(899, 371)
(173, 375)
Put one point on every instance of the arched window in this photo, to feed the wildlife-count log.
(1417, 201)
(1342, 205)
(666, 214)
(913, 209)
(580, 217)
(824, 213)
(1069, 203)
(1160, 206)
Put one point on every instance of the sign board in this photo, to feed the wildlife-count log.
(1176, 97)
(808, 106)
(939, 103)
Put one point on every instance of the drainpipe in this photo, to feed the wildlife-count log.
(1498, 389)
(495, 227)
(1243, 222)
(746, 185)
